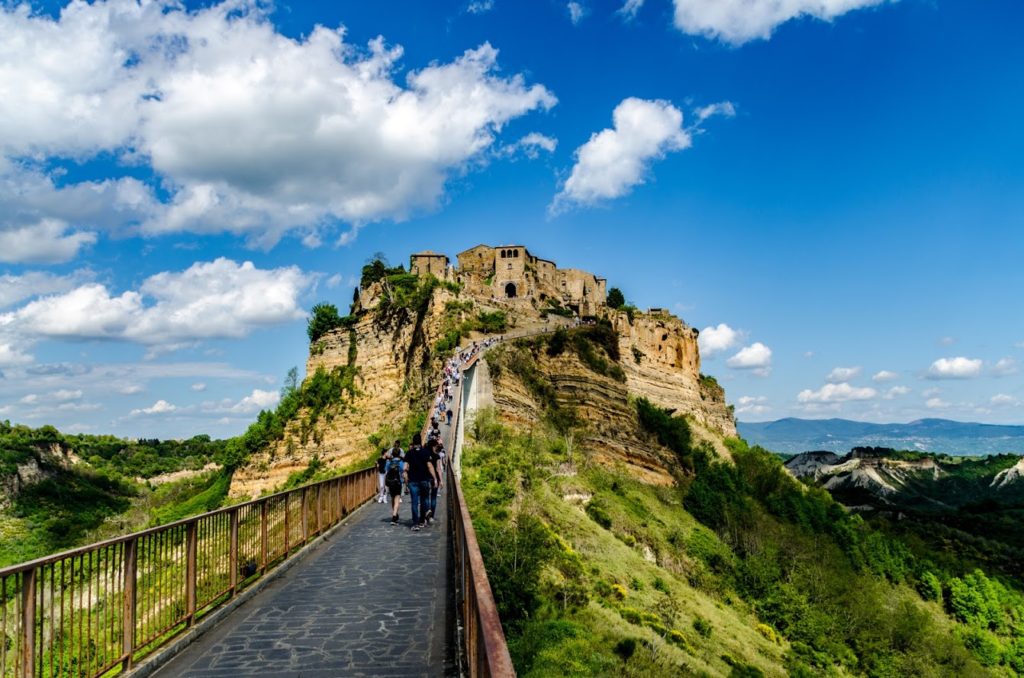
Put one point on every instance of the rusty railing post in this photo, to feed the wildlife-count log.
(263, 538)
(305, 518)
(28, 623)
(191, 541)
(287, 544)
(128, 613)
(233, 557)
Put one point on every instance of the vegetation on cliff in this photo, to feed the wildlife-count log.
(738, 569)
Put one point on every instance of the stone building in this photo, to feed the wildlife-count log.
(513, 274)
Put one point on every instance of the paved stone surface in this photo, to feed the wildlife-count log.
(371, 601)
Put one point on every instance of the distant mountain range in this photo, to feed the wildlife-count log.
(792, 436)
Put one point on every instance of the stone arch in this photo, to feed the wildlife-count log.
(504, 254)
(515, 253)
(510, 291)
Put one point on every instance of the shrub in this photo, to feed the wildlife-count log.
(599, 514)
(625, 648)
(702, 626)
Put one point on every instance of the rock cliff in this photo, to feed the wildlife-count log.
(396, 351)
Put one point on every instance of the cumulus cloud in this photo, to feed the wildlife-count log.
(936, 404)
(1004, 367)
(717, 338)
(1003, 400)
(836, 393)
(159, 407)
(756, 357)
(739, 21)
(616, 159)
(576, 12)
(46, 242)
(198, 387)
(254, 402)
(630, 8)
(954, 368)
(322, 131)
(895, 392)
(755, 405)
(16, 288)
(840, 374)
(217, 299)
(885, 375)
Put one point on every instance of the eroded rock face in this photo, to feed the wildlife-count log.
(662, 363)
(395, 372)
(611, 432)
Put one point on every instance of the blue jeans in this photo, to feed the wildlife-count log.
(433, 499)
(419, 493)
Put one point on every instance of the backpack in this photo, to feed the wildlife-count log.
(394, 473)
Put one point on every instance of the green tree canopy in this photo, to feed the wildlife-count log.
(323, 318)
(616, 298)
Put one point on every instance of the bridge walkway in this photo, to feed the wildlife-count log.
(371, 601)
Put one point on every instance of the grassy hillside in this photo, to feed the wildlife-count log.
(737, 570)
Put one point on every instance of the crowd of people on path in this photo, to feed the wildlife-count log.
(419, 471)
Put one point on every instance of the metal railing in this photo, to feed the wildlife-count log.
(97, 610)
(481, 638)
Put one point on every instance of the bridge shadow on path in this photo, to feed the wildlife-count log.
(372, 600)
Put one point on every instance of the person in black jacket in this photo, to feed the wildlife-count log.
(420, 475)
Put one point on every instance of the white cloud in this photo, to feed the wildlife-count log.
(45, 242)
(954, 368)
(947, 341)
(885, 375)
(936, 404)
(333, 281)
(931, 392)
(840, 374)
(480, 6)
(756, 405)
(30, 399)
(1005, 367)
(12, 355)
(630, 8)
(321, 131)
(208, 300)
(1003, 400)
(739, 21)
(530, 145)
(66, 394)
(756, 357)
(576, 12)
(130, 389)
(16, 288)
(159, 407)
(615, 160)
(895, 392)
(715, 339)
(808, 354)
(198, 386)
(255, 401)
(726, 109)
(836, 393)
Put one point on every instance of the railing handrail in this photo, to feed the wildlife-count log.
(80, 550)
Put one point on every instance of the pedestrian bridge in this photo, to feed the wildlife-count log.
(313, 582)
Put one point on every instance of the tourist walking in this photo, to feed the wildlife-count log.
(393, 471)
(435, 483)
(382, 463)
(419, 473)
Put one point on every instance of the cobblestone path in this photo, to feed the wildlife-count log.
(370, 601)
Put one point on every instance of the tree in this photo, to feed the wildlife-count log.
(323, 318)
(615, 298)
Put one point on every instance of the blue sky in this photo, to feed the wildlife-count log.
(831, 191)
